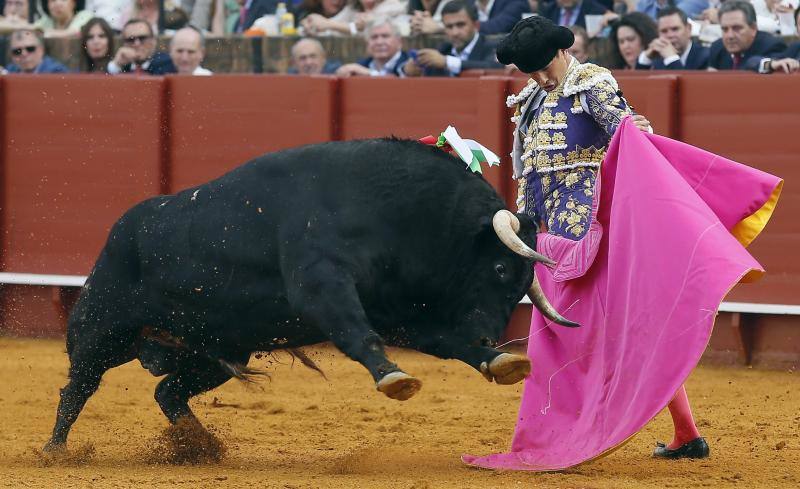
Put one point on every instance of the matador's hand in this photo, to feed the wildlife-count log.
(642, 123)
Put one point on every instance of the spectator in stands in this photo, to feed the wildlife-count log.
(309, 58)
(187, 49)
(629, 37)
(573, 12)
(252, 10)
(743, 46)
(767, 12)
(793, 51)
(97, 45)
(62, 18)
(499, 16)
(15, 15)
(692, 8)
(673, 49)
(426, 16)
(466, 48)
(138, 52)
(225, 19)
(199, 13)
(115, 12)
(580, 48)
(312, 9)
(145, 10)
(28, 56)
(355, 17)
(384, 49)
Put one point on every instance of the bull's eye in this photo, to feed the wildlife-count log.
(500, 269)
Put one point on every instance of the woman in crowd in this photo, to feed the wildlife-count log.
(97, 44)
(354, 17)
(629, 37)
(63, 18)
(322, 8)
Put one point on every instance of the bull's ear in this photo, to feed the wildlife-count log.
(527, 223)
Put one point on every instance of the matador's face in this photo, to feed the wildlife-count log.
(553, 74)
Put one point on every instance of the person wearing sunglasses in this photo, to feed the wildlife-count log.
(138, 55)
(26, 47)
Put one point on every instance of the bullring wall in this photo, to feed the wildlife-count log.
(79, 150)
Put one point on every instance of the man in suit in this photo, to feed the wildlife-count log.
(499, 16)
(138, 54)
(793, 51)
(384, 47)
(571, 12)
(466, 49)
(673, 49)
(743, 46)
(785, 62)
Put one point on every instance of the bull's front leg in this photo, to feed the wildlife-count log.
(325, 295)
(495, 365)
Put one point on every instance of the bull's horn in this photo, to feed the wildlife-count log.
(540, 301)
(506, 225)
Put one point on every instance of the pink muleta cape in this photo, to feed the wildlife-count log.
(666, 245)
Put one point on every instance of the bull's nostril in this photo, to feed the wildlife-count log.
(486, 342)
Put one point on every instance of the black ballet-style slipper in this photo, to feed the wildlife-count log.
(697, 448)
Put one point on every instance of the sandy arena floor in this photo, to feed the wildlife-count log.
(300, 431)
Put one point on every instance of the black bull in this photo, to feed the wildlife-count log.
(361, 243)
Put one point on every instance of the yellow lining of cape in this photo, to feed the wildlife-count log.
(751, 226)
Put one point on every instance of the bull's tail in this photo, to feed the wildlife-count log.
(242, 372)
(305, 360)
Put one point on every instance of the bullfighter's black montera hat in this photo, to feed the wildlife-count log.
(533, 43)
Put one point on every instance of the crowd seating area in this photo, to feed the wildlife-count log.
(386, 37)
(240, 54)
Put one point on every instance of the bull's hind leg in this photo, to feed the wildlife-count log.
(326, 296)
(192, 378)
(90, 358)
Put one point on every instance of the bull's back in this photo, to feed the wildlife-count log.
(360, 201)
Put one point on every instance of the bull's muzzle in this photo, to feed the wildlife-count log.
(506, 368)
(506, 225)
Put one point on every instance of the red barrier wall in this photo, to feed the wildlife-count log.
(656, 98)
(79, 150)
(217, 123)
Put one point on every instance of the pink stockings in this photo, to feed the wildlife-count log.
(685, 429)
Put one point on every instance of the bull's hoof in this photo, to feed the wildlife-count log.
(399, 385)
(54, 447)
(508, 368)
